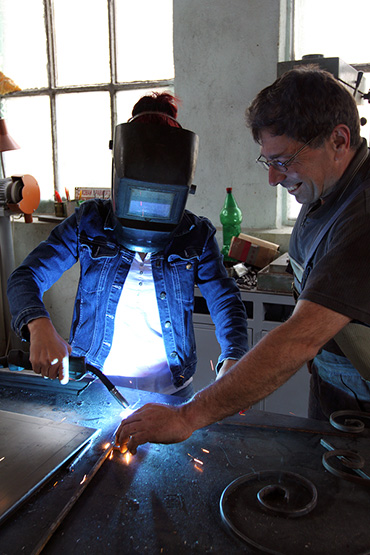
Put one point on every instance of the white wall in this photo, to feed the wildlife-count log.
(225, 52)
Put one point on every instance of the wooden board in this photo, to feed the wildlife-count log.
(31, 450)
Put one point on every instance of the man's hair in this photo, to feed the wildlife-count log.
(304, 103)
(163, 103)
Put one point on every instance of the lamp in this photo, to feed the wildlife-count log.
(6, 143)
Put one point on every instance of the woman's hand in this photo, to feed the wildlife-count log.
(49, 353)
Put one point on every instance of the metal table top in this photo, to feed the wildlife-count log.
(164, 501)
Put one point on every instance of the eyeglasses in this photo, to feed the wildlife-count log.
(277, 164)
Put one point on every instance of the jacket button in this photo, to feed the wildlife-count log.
(189, 266)
(173, 354)
(162, 295)
(167, 324)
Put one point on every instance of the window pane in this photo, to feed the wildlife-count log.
(293, 207)
(28, 122)
(84, 132)
(23, 42)
(144, 40)
(82, 45)
(336, 33)
(127, 99)
(364, 110)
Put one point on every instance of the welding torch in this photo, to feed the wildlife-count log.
(78, 368)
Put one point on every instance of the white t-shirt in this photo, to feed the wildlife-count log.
(138, 351)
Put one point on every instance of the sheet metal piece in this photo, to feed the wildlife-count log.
(27, 379)
(45, 538)
(31, 450)
(267, 420)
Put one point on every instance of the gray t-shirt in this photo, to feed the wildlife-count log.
(339, 278)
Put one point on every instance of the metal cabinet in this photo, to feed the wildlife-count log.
(265, 312)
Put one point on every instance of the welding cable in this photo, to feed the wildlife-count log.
(109, 385)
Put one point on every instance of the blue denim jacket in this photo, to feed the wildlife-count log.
(192, 257)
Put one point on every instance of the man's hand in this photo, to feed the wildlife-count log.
(49, 353)
(154, 423)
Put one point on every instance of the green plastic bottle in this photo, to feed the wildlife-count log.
(231, 217)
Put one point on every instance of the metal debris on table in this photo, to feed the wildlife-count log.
(245, 276)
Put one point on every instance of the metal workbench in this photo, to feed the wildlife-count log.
(163, 501)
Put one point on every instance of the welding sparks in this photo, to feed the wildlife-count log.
(212, 367)
(205, 450)
(111, 455)
(127, 457)
(197, 462)
(83, 479)
(2, 458)
(106, 445)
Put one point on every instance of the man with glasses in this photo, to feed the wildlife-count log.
(307, 126)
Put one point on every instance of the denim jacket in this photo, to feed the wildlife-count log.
(191, 258)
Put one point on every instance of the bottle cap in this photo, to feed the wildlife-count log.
(229, 189)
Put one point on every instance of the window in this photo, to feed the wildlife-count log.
(331, 28)
(81, 65)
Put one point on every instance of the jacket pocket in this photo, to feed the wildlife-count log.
(96, 260)
(183, 274)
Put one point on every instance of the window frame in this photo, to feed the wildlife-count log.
(287, 53)
(52, 90)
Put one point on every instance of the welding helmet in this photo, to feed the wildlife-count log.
(153, 169)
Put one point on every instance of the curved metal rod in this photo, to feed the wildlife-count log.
(352, 424)
(350, 459)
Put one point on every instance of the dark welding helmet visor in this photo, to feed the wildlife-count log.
(153, 169)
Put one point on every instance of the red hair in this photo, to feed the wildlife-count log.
(165, 104)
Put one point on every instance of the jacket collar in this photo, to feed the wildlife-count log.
(111, 221)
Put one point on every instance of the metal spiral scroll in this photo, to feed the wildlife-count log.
(281, 494)
(350, 459)
(353, 420)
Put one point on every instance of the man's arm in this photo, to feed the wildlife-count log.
(260, 372)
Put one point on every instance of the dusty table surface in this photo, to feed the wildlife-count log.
(163, 500)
